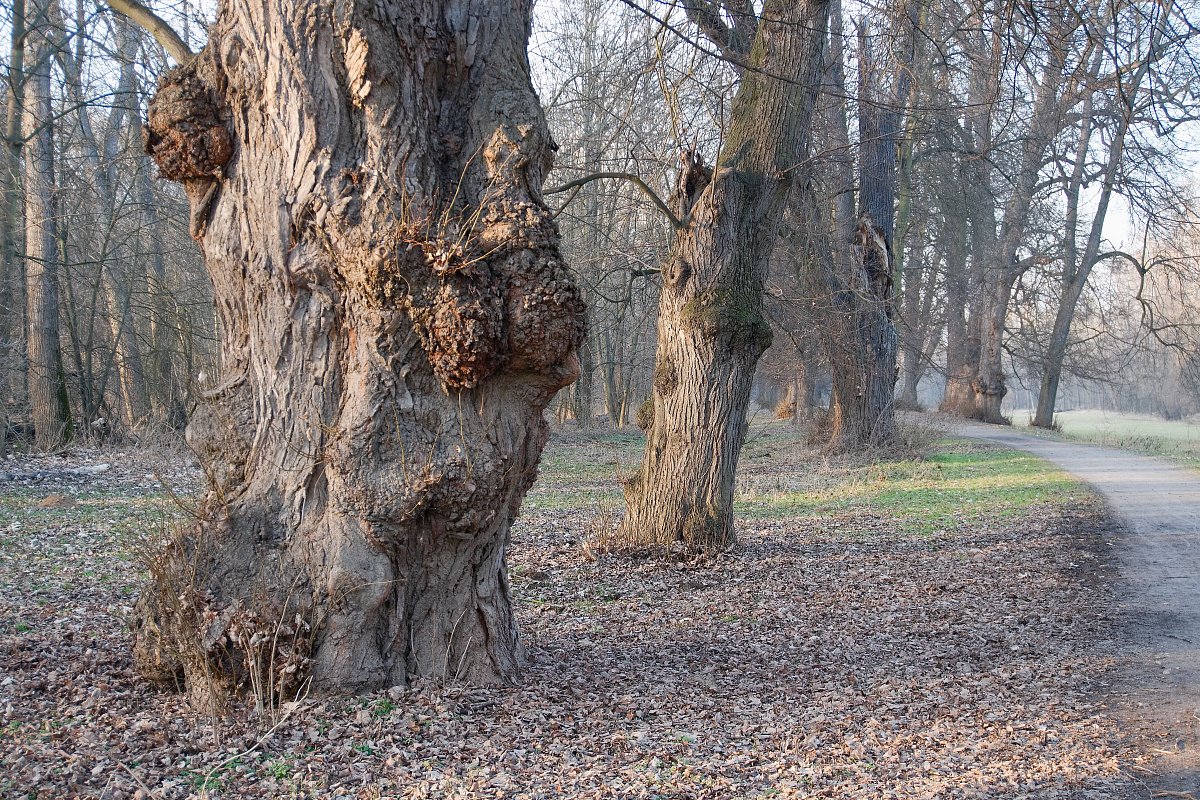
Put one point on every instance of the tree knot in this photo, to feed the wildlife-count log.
(184, 132)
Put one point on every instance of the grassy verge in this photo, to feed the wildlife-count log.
(956, 482)
(54, 543)
(1178, 440)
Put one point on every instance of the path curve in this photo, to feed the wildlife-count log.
(1158, 558)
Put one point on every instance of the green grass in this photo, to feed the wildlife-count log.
(48, 551)
(584, 471)
(1175, 439)
(956, 482)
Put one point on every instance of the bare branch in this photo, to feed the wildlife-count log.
(676, 223)
(156, 26)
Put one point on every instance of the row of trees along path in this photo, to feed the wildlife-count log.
(393, 330)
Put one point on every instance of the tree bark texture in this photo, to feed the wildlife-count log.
(48, 401)
(711, 329)
(365, 181)
(12, 291)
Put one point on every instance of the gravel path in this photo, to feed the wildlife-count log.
(1158, 560)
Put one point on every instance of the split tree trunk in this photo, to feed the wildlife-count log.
(711, 330)
(365, 180)
(856, 281)
(49, 404)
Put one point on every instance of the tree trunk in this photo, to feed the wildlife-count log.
(582, 398)
(1003, 267)
(800, 395)
(48, 399)
(11, 269)
(962, 339)
(989, 387)
(862, 341)
(917, 325)
(1052, 366)
(365, 180)
(711, 329)
(910, 375)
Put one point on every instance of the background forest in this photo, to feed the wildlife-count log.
(1043, 245)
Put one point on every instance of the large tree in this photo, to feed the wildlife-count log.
(711, 330)
(365, 182)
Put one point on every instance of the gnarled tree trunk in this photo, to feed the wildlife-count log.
(365, 180)
(711, 330)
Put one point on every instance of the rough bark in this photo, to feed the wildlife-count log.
(11, 269)
(365, 180)
(711, 330)
(48, 401)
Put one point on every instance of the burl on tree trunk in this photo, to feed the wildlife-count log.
(365, 181)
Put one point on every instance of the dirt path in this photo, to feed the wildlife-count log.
(1158, 558)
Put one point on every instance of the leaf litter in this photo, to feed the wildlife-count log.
(823, 657)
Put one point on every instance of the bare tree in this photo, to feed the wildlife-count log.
(1136, 100)
(48, 401)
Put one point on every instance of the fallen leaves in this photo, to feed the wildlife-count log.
(823, 658)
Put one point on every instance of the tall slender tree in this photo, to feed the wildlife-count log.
(48, 401)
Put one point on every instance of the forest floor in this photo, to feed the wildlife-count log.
(934, 627)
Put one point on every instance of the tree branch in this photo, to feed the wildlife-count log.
(705, 17)
(627, 176)
(1137, 264)
(156, 26)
